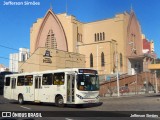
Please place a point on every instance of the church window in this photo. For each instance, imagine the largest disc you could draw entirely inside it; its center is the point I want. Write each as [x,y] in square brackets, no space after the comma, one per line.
[100,36]
[121,60]
[102,60]
[91,60]
[95,37]
[103,36]
[51,40]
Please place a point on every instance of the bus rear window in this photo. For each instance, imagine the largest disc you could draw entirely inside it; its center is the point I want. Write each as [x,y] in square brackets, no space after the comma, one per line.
[7,83]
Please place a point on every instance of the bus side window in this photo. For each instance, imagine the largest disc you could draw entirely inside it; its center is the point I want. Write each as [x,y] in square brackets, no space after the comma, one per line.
[47,79]
[28,80]
[58,78]
[20,81]
[55,80]
[7,83]
[13,85]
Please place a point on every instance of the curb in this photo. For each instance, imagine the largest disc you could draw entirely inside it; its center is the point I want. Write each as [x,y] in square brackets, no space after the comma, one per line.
[132,95]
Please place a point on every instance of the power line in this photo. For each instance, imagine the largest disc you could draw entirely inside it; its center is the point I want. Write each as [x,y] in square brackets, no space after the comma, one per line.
[25,62]
[43,54]
[95,56]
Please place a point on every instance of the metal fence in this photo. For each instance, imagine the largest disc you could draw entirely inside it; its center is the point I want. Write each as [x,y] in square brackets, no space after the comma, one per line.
[142,83]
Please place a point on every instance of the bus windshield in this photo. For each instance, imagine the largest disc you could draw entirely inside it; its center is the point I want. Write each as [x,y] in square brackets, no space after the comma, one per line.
[87,82]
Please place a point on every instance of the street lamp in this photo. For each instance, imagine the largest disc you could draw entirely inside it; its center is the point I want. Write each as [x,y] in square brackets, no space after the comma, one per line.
[117,75]
[136,69]
[117,70]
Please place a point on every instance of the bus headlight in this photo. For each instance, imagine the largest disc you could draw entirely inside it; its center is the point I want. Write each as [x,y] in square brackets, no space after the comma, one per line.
[79,96]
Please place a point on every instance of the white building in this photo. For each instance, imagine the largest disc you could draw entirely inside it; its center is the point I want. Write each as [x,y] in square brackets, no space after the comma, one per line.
[3,68]
[23,55]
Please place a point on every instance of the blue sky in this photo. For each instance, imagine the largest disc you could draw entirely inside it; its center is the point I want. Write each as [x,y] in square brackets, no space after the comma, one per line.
[16,21]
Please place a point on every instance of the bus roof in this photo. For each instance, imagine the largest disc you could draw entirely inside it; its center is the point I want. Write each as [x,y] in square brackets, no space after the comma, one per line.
[50,71]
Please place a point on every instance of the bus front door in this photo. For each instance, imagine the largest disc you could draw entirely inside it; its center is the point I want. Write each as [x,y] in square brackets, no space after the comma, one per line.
[70,88]
[37,88]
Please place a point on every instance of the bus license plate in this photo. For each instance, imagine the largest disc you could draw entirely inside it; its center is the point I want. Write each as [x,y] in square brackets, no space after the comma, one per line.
[91,101]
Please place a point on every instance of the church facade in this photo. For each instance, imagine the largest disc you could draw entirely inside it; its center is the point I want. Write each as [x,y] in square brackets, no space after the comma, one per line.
[104,45]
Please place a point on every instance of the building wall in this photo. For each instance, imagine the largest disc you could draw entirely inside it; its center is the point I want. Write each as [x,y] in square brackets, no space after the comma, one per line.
[73,29]
[137,84]
[50,59]
[134,38]
[40,32]
[119,29]
[96,50]
[3,68]
[152,46]
[13,64]
[122,36]
[33,34]
[23,55]
[148,46]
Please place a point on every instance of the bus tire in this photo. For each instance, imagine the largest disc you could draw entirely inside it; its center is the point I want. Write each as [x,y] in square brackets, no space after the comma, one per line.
[20,99]
[59,101]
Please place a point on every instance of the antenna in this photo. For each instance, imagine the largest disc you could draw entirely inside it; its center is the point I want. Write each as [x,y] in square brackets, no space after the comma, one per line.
[51,6]
[66,7]
[131,8]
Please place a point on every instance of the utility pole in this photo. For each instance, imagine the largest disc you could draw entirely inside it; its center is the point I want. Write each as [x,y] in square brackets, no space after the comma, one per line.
[136,81]
[97,56]
[156,82]
[156,77]
[117,71]
[66,7]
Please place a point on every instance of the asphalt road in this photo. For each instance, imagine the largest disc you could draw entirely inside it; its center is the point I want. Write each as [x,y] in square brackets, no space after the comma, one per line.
[109,107]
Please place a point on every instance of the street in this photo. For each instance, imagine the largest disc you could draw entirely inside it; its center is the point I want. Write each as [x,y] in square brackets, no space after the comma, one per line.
[108,107]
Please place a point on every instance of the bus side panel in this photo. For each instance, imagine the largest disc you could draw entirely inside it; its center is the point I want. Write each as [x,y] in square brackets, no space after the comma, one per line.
[49,92]
[29,93]
[26,91]
[7,92]
[59,90]
[46,93]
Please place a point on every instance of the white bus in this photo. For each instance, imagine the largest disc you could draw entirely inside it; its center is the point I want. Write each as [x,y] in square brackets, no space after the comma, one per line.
[63,86]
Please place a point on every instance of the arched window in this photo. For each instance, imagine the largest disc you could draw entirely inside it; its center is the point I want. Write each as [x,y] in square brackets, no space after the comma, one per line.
[51,40]
[102,59]
[103,36]
[91,60]
[78,37]
[121,60]
[95,37]
[100,36]
[81,38]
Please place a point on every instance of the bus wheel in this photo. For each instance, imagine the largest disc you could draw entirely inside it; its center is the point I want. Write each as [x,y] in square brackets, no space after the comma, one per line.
[59,101]
[20,99]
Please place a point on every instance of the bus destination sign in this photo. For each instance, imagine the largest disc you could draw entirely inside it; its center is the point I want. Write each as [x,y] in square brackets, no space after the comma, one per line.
[87,71]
